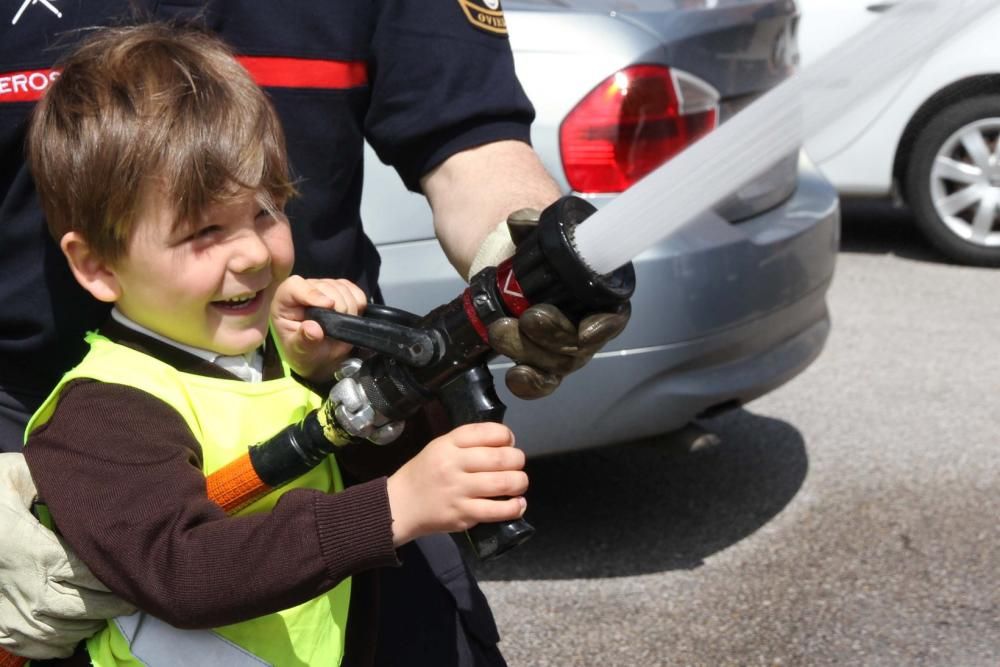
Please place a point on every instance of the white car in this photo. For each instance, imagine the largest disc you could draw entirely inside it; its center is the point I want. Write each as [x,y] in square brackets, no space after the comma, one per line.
[930,137]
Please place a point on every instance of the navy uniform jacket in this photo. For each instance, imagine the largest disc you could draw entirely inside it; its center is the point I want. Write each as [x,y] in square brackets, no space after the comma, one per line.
[420,80]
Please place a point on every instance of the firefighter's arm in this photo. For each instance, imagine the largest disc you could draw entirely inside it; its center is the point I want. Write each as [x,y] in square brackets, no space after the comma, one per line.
[473,190]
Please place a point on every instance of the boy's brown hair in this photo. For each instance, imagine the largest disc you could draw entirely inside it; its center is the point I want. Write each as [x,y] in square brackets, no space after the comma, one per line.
[150,106]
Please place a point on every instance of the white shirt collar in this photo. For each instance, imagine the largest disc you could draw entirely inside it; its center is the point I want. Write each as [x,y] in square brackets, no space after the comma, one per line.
[248,367]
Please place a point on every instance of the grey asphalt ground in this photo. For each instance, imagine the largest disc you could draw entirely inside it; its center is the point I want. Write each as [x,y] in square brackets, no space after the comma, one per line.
[852,517]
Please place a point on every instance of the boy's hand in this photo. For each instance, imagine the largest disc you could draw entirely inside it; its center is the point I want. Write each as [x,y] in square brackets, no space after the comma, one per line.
[304,346]
[453,483]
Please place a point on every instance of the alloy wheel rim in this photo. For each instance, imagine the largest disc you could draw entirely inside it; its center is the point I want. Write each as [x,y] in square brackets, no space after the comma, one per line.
[965,182]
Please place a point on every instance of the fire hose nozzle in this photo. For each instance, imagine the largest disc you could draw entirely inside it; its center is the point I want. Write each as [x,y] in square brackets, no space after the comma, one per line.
[549,268]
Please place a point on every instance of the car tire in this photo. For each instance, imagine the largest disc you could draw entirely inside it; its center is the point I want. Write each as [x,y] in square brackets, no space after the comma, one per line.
[952,181]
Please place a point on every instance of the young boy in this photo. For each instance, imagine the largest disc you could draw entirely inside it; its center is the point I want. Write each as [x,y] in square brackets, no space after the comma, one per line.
[162,173]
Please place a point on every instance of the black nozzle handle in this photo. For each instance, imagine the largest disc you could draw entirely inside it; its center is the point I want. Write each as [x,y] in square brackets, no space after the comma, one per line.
[409,345]
[472,398]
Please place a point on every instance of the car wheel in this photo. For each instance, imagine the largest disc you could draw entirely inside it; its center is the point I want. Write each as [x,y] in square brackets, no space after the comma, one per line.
[953,181]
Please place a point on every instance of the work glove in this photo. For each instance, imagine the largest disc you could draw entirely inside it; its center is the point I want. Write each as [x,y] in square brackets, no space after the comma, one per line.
[49,600]
[543,343]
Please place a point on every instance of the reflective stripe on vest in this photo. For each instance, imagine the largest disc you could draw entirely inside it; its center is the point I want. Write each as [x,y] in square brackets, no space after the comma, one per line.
[154,642]
[225,417]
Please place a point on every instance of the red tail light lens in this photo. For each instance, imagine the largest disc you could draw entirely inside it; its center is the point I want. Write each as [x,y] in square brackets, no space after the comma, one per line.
[634,121]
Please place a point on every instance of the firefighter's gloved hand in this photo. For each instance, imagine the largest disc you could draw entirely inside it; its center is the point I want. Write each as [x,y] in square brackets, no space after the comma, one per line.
[354,412]
[543,343]
[546,346]
[49,600]
[502,241]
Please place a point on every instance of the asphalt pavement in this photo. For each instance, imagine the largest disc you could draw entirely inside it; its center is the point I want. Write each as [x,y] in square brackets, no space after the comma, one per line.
[851,517]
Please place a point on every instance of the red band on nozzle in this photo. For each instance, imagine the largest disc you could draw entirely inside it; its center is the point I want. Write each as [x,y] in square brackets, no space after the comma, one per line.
[510,290]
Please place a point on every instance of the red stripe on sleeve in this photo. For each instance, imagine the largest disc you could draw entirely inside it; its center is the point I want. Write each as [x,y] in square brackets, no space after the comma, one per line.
[26,86]
[305,73]
[273,72]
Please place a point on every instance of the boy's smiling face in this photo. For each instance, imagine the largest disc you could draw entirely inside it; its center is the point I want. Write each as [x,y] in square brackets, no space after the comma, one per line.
[209,285]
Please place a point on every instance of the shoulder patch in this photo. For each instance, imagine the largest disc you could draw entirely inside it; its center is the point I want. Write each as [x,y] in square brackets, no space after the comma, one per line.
[486,15]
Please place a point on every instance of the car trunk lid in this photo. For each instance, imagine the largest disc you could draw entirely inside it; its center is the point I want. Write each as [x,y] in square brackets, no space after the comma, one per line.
[743,48]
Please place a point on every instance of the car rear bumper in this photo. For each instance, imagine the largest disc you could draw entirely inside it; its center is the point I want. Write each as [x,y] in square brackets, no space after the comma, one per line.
[652,391]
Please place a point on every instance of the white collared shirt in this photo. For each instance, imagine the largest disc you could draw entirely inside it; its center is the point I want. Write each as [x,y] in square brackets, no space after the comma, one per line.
[248,367]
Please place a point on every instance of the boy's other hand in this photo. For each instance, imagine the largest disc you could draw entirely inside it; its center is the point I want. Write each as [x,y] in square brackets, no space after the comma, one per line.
[304,346]
[455,481]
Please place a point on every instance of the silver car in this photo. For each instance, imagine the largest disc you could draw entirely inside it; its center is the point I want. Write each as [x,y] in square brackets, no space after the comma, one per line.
[726,310]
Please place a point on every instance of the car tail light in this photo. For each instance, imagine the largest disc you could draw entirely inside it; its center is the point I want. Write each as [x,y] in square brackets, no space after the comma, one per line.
[634,121]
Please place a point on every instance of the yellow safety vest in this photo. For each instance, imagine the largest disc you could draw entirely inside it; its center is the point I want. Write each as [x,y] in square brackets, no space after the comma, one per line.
[226,417]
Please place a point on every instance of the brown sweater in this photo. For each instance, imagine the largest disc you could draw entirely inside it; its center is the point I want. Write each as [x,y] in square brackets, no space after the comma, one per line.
[140,518]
